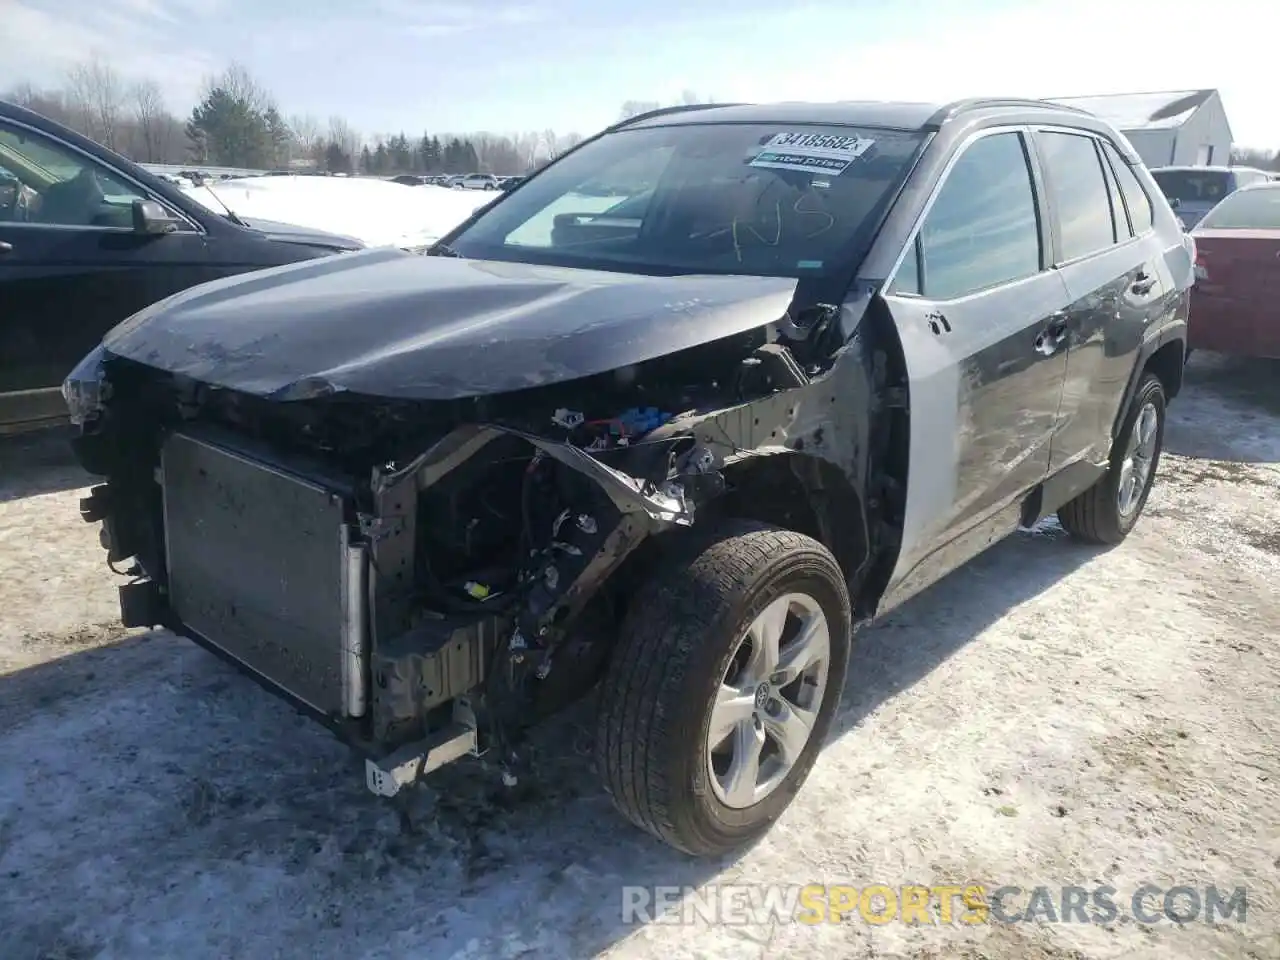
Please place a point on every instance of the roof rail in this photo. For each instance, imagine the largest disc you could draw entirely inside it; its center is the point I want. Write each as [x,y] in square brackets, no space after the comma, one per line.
[664,111]
[951,110]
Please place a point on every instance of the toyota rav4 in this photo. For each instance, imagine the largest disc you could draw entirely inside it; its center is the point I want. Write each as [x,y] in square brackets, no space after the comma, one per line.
[676,441]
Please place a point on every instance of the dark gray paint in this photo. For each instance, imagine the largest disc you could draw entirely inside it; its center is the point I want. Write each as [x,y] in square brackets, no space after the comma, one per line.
[991,417]
[391,324]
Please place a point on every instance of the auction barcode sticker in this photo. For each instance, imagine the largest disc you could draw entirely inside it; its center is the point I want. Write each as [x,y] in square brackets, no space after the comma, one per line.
[828,153]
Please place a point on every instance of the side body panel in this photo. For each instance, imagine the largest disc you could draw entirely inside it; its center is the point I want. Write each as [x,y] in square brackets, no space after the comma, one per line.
[935,538]
[984,406]
[986,371]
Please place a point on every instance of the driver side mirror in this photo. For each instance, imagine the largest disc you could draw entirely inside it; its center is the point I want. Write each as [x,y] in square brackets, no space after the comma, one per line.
[1175,202]
[152,219]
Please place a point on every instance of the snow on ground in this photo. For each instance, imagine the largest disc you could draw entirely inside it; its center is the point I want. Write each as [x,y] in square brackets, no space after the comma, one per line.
[1049,715]
[379,212]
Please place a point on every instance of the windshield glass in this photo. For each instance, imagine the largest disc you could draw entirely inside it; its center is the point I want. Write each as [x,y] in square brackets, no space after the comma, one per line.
[769,200]
[1254,209]
[1194,186]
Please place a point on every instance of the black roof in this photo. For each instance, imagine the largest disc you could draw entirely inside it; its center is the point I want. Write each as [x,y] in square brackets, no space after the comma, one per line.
[852,113]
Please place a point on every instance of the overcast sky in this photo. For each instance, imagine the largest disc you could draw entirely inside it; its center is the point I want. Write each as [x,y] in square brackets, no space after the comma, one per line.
[508,65]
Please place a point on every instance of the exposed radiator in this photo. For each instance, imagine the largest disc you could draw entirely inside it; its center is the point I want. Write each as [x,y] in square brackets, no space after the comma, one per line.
[261,565]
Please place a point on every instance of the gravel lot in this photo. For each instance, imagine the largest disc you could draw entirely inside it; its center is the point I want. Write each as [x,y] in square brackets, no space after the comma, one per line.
[1049,715]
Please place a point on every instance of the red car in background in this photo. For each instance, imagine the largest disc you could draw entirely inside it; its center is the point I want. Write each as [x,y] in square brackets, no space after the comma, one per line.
[1235,303]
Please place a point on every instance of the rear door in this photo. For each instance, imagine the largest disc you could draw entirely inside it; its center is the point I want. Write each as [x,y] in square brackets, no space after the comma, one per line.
[979,316]
[71,267]
[1111,266]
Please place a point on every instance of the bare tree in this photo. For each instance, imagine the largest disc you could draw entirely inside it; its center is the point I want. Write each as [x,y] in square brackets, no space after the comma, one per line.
[307,136]
[24,95]
[238,84]
[49,103]
[340,133]
[633,108]
[95,96]
[150,115]
[1249,157]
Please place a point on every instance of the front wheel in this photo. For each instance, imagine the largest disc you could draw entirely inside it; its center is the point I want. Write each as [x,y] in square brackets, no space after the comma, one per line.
[723,686]
[1107,511]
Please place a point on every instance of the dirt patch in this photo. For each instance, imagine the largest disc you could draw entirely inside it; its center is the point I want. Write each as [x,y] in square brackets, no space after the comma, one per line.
[1267,541]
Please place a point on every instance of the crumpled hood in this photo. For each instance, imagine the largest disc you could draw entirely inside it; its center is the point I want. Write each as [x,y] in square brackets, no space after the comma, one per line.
[388,323]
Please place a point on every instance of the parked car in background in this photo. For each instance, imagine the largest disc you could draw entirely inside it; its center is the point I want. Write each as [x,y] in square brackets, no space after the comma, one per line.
[1193,191]
[410,179]
[510,183]
[803,362]
[1235,305]
[479,181]
[87,238]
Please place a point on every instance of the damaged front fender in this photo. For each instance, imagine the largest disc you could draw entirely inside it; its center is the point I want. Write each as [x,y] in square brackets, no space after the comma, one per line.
[663,505]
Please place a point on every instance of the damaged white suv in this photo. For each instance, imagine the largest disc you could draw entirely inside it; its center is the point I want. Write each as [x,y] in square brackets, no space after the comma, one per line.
[672,416]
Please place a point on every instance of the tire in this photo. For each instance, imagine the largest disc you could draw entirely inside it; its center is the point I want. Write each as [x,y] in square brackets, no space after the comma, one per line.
[684,630]
[1095,516]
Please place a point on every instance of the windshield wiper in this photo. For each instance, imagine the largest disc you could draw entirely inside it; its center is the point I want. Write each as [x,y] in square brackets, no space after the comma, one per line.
[230,214]
[443,250]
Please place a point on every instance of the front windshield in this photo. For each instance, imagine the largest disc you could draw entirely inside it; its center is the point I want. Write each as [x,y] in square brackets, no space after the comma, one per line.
[764,199]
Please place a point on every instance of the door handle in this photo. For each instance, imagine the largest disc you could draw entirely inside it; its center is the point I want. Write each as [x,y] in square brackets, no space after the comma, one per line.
[1052,336]
[5,247]
[1143,283]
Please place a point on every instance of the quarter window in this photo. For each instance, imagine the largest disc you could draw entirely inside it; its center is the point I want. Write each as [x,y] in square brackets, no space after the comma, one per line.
[1135,198]
[1079,193]
[63,186]
[983,229]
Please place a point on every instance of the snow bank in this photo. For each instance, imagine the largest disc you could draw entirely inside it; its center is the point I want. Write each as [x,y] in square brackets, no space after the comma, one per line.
[379,212]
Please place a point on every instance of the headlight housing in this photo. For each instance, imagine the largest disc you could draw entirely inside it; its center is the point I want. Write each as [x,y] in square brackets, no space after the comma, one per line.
[86,389]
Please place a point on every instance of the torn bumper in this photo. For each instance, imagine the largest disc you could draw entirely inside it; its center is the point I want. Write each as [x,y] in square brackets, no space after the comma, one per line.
[305,579]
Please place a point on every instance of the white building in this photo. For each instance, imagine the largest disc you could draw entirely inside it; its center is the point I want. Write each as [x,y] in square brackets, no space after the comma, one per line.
[1179,128]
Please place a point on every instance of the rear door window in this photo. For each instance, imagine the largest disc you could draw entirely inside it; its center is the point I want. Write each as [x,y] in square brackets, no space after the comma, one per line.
[1078,192]
[983,229]
[1135,197]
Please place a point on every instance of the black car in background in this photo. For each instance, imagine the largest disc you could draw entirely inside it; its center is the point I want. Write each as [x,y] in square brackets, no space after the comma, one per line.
[87,237]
